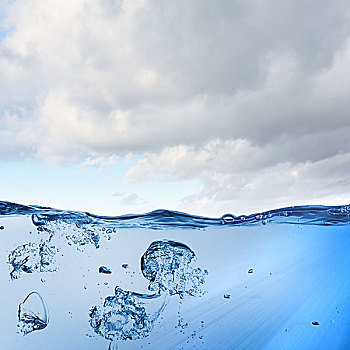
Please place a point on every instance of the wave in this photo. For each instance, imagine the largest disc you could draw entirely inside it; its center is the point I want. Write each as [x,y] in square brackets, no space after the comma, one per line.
[161,218]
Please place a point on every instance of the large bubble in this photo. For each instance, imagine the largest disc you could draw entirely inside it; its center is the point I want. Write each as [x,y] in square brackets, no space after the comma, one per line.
[168,266]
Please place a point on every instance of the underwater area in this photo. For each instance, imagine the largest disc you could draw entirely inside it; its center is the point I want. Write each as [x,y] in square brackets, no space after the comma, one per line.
[169,280]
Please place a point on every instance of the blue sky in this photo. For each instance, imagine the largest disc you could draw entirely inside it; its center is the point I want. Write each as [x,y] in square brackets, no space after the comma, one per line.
[129,106]
[88,188]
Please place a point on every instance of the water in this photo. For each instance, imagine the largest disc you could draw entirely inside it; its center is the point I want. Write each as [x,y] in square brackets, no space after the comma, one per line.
[168,280]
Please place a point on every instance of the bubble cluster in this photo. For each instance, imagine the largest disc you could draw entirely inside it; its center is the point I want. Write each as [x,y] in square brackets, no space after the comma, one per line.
[126,315]
[32,257]
[168,266]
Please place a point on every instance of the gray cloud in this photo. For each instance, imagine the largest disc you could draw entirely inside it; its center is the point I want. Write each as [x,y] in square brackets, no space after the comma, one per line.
[249,98]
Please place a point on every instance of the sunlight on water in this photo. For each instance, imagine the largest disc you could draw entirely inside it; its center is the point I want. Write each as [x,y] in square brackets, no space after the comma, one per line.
[169,280]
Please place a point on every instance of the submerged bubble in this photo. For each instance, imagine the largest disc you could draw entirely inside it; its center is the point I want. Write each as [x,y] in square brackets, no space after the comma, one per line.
[32,257]
[315,323]
[77,228]
[227,296]
[250,271]
[2,227]
[168,266]
[105,270]
[125,266]
[126,315]
[32,314]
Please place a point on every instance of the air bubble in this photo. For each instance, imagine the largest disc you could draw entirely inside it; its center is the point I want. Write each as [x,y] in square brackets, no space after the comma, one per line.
[32,314]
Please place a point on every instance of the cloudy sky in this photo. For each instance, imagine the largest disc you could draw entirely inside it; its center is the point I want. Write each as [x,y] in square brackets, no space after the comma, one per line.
[208,107]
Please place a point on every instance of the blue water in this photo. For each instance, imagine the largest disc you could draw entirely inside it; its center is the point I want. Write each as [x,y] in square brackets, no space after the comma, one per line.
[169,280]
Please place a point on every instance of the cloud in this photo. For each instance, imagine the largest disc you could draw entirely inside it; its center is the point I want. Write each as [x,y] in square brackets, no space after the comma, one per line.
[132,199]
[238,95]
[118,194]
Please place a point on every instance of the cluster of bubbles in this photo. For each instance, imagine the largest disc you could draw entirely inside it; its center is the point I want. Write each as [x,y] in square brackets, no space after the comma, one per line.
[32,257]
[167,265]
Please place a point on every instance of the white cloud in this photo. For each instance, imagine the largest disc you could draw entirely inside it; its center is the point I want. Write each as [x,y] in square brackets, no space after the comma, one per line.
[132,199]
[250,98]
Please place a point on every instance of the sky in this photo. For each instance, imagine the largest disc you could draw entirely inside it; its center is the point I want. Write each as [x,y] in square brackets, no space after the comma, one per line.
[206,107]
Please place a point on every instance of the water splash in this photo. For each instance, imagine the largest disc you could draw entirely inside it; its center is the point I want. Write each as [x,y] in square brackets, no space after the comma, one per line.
[168,266]
[32,314]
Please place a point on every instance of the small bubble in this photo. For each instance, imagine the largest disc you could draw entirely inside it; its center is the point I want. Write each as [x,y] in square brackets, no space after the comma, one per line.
[105,270]
[250,271]
[227,296]
[2,227]
[315,323]
[228,219]
[125,266]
